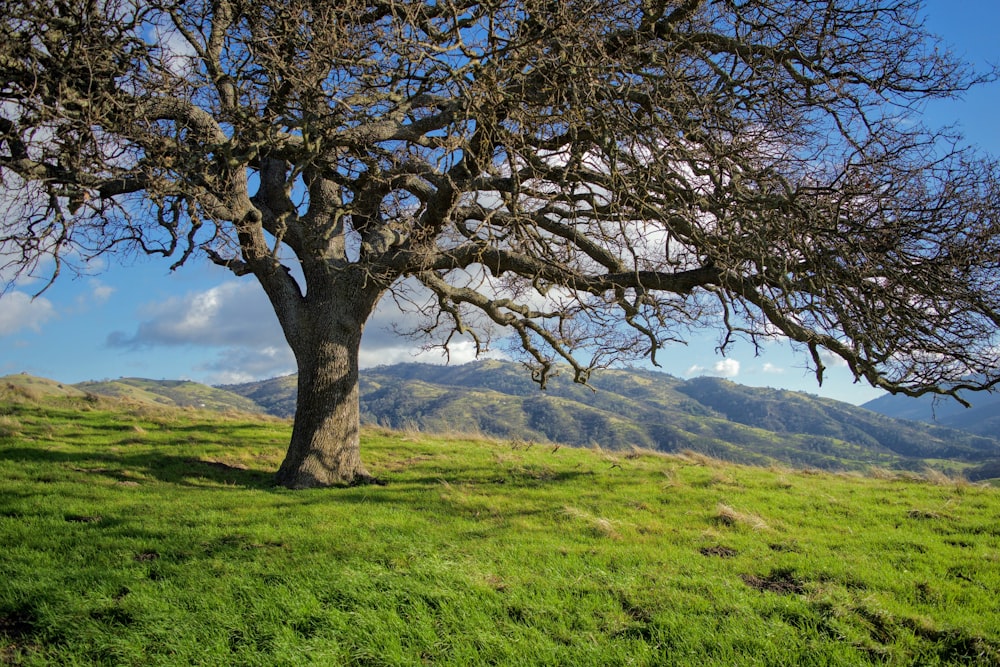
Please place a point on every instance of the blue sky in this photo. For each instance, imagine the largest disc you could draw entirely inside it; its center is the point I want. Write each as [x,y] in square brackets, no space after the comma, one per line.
[136,318]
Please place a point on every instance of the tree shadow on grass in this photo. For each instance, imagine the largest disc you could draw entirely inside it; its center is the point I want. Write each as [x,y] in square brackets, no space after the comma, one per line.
[498,477]
[130,468]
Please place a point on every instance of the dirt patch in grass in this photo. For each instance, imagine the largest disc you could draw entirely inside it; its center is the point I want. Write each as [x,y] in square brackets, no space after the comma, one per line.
[719,551]
[783,582]
[17,624]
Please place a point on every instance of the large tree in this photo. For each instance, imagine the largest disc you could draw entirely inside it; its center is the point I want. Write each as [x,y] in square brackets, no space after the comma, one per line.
[598,177]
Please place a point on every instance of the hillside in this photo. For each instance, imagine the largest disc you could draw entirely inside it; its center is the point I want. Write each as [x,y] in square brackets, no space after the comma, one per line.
[176,393]
[275,395]
[622,410]
[138,534]
[982,418]
[637,408]
[29,385]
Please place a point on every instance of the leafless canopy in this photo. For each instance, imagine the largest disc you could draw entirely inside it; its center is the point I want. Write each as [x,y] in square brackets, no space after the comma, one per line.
[598,177]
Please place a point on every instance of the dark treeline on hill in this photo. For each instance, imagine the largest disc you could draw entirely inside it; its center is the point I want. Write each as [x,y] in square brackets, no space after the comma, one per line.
[637,408]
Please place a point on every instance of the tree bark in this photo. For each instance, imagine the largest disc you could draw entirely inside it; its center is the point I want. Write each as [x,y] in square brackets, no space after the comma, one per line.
[324,331]
[325,448]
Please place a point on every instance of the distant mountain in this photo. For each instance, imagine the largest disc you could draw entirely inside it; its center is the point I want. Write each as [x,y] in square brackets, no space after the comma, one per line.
[983,418]
[622,409]
[626,408]
[276,396]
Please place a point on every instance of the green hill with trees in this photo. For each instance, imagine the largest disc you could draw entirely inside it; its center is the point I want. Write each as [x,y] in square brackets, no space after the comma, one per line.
[637,408]
[620,410]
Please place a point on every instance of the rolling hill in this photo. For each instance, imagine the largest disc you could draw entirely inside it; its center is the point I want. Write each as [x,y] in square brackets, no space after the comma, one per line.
[621,410]
[172,393]
[637,408]
[179,393]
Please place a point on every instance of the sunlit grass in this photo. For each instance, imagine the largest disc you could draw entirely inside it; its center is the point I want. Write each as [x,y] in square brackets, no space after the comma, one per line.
[139,536]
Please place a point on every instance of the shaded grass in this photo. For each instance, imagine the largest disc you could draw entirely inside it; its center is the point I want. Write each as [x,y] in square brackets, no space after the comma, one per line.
[135,536]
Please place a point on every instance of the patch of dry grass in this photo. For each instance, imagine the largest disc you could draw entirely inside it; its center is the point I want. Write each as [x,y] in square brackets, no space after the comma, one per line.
[727,516]
[597,526]
[10,426]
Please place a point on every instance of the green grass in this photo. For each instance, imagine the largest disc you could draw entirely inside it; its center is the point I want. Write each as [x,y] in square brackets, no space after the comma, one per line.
[132,535]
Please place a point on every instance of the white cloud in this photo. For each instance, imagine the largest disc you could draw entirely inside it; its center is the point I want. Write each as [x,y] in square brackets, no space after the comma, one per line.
[831,360]
[100,292]
[242,364]
[726,368]
[176,53]
[460,352]
[233,314]
[234,317]
[771,368]
[18,311]
[237,318]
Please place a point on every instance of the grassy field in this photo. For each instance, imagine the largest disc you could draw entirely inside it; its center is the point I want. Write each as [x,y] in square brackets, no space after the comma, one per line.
[134,535]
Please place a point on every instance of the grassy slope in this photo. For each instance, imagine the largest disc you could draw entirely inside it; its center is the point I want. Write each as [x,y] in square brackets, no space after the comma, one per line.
[136,535]
[630,408]
[652,410]
[31,386]
[176,393]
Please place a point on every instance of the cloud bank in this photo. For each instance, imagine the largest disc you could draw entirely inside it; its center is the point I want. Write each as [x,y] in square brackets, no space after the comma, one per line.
[726,368]
[235,320]
[18,311]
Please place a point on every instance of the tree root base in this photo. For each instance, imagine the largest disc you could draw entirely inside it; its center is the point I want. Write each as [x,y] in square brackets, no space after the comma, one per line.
[360,478]
[365,479]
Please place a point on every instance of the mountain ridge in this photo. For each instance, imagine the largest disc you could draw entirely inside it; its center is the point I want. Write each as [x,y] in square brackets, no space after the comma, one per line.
[982,417]
[622,410]
[648,409]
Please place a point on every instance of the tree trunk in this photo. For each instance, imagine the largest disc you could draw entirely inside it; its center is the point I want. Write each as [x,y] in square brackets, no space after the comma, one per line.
[325,449]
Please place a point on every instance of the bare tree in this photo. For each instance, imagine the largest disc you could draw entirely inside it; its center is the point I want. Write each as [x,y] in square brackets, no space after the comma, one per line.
[596,177]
